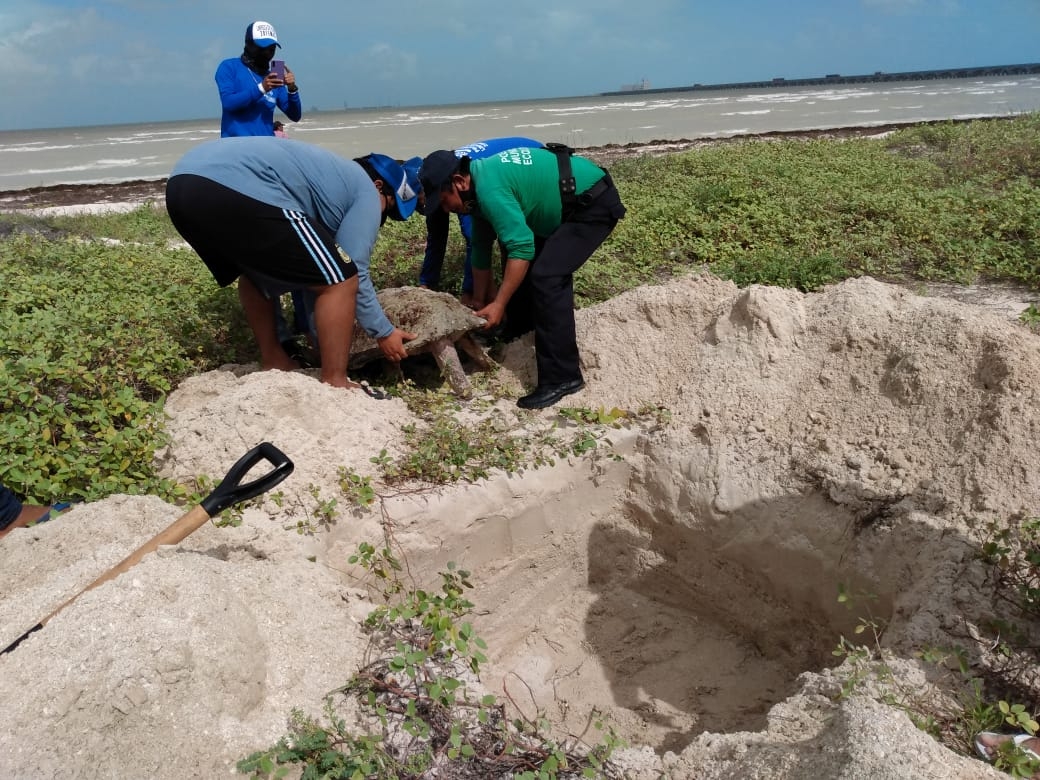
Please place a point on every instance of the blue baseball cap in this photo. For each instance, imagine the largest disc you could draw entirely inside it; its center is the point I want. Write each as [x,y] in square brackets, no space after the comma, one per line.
[411,167]
[262,34]
[403,180]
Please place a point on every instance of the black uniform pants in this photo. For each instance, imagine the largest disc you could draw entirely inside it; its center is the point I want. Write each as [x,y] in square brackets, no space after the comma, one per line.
[544,301]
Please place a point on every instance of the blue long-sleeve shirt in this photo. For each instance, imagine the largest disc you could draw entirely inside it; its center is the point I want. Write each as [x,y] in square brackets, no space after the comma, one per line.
[302,177]
[246,108]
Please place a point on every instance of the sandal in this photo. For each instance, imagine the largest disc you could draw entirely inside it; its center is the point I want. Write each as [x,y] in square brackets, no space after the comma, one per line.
[374,392]
[53,511]
[1019,740]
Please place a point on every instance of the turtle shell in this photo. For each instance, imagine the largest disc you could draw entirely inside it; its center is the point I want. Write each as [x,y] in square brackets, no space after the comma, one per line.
[430,315]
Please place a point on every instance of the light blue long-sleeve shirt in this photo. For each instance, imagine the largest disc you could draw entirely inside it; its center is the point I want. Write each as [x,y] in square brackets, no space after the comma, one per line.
[302,177]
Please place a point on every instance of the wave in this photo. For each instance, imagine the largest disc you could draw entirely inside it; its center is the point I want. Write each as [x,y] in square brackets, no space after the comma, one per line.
[129,163]
[126,152]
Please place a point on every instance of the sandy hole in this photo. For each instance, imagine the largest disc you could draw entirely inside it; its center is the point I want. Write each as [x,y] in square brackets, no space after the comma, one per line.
[600,593]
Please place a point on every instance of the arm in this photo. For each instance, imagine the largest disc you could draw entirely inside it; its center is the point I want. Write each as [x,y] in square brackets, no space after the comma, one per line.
[481,241]
[515,272]
[436,245]
[483,285]
[502,218]
[374,320]
[235,92]
[369,313]
[356,236]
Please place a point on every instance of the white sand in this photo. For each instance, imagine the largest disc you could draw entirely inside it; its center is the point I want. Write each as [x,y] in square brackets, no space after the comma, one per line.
[688,589]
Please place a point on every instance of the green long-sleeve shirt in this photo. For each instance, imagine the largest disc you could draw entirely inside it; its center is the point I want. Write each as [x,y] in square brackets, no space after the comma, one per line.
[518,198]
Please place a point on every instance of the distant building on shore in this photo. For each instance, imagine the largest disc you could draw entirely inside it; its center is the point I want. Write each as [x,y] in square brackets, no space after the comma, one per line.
[639,87]
[837,78]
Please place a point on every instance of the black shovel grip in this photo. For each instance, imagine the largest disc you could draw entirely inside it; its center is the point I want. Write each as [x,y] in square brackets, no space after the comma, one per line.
[230,492]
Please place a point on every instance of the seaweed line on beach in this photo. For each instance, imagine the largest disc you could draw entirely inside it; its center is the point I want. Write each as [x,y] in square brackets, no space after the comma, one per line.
[144,190]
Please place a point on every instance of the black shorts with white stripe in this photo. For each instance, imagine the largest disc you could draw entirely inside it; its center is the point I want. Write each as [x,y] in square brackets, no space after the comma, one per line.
[278,249]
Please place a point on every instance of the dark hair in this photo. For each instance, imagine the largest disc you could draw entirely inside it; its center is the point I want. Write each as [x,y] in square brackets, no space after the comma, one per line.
[389,188]
[372,173]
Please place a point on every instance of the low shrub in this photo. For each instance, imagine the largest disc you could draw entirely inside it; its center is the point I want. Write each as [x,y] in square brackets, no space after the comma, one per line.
[92,337]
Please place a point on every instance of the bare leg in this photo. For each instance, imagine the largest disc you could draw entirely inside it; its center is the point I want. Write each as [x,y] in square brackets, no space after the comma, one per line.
[334,320]
[260,315]
[30,514]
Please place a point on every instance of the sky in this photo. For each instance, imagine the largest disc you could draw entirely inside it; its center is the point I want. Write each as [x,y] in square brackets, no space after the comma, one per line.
[71,63]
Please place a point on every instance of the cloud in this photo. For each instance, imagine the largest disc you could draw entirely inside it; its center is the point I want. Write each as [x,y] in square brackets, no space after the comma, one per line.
[73,62]
[26,42]
[384,62]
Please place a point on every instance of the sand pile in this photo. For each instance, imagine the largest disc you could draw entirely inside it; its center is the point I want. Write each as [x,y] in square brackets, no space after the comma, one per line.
[688,589]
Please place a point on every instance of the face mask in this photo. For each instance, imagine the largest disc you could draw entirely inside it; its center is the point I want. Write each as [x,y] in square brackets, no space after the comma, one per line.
[468,197]
[258,59]
[390,211]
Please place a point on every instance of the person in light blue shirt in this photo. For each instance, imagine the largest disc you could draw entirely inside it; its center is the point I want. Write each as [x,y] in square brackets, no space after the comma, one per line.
[250,92]
[281,215]
[437,224]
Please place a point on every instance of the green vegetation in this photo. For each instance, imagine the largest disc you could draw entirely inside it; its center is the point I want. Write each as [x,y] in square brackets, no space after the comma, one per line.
[951,201]
[148,225]
[92,335]
[417,696]
[940,202]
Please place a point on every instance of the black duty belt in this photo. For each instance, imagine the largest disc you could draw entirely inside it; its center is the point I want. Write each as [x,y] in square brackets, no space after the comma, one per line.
[570,199]
[593,192]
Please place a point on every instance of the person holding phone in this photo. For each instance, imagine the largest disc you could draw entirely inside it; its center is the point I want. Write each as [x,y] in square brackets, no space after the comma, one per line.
[250,88]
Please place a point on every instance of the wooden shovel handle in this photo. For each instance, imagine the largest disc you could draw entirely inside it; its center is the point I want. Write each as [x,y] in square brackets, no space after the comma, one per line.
[230,491]
[172,534]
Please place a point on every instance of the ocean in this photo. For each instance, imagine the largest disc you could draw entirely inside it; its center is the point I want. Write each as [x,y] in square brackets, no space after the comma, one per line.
[115,153]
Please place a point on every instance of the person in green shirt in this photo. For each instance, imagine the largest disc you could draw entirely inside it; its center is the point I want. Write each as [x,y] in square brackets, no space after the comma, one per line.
[516,197]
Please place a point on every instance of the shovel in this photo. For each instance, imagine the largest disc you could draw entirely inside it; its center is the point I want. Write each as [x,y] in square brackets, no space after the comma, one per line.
[229,493]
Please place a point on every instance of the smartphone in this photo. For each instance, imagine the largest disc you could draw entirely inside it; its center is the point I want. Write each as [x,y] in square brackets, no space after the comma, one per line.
[278,68]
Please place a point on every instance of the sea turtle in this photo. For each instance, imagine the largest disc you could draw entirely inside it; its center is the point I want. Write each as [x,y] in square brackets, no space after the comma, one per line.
[439,322]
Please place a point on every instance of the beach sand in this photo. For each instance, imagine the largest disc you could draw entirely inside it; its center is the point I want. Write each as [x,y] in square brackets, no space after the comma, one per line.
[682,580]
